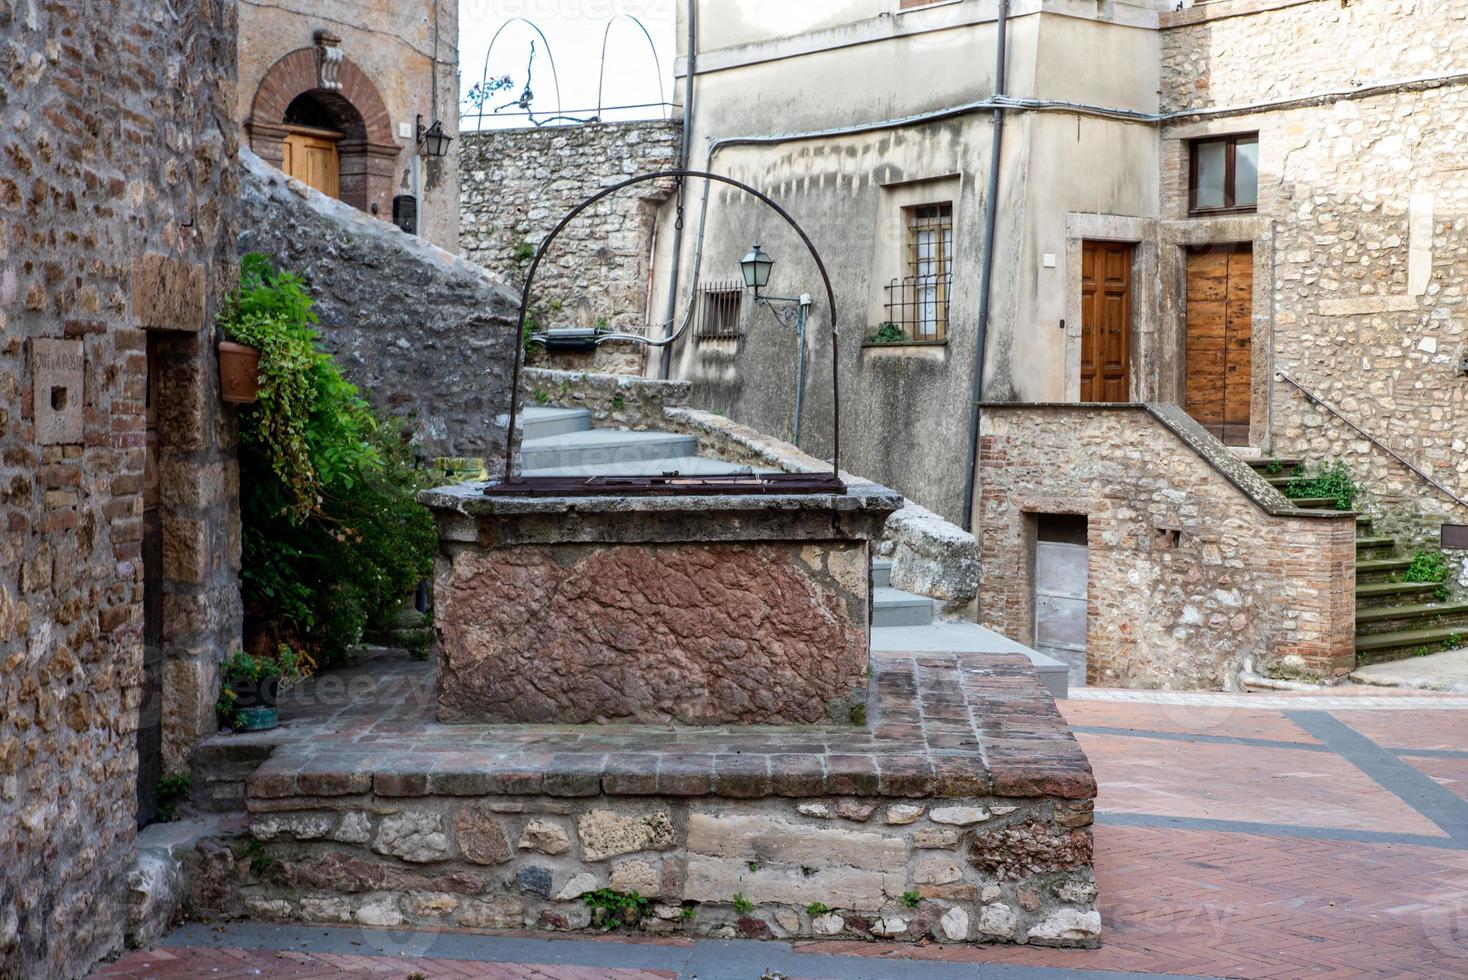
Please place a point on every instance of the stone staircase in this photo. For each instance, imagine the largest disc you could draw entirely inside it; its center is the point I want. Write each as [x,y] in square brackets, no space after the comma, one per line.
[1394,619]
[563,442]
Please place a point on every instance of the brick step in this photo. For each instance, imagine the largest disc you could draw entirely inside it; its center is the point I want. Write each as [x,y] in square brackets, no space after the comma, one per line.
[1394,619]
[1405,643]
[1374,594]
[1364,543]
[1380,569]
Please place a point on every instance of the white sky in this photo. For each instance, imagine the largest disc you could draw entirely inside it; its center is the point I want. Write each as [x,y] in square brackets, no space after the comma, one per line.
[574,30]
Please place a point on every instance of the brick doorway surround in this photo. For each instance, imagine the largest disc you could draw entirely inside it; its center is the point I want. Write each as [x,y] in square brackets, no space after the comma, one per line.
[369,152]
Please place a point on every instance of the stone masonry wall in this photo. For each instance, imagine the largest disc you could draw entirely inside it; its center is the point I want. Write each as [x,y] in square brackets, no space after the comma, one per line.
[116,241]
[518,183]
[1190,581]
[1366,202]
[421,331]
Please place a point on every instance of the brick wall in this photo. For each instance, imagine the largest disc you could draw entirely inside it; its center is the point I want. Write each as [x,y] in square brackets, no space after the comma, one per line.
[1237,583]
[1364,211]
[115,224]
[517,183]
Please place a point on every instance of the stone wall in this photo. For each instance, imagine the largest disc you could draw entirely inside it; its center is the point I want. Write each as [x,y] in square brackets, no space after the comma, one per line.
[518,183]
[1363,206]
[116,235]
[1198,569]
[421,331]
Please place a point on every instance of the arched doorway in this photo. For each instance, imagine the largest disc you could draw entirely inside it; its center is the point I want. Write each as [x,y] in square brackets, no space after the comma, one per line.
[334,134]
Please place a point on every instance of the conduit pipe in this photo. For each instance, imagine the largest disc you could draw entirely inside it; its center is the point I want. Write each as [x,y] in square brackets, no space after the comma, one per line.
[986,273]
[665,361]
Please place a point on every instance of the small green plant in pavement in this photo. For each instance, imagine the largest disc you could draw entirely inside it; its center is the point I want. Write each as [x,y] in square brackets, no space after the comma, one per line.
[817,908]
[741,904]
[1333,480]
[911,898]
[1430,566]
[615,910]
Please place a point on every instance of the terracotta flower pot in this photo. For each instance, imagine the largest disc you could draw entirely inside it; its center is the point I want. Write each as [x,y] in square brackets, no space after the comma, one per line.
[239,373]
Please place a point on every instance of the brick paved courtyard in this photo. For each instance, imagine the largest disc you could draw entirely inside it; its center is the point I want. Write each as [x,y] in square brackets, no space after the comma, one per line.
[1310,836]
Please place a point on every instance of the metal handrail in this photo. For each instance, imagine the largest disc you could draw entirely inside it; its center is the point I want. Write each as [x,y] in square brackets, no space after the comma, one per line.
[1315,399]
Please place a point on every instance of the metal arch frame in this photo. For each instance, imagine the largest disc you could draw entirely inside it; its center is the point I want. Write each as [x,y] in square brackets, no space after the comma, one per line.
[484,75]
[640,179]
[601,77]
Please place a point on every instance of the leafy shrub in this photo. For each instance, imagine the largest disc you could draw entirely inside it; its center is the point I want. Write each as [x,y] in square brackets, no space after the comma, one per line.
[1430,566]
[889,333]
[332,535]
[173,789]
[1333,480]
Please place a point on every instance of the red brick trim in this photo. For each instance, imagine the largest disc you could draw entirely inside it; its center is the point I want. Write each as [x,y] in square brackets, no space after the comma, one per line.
[368,157]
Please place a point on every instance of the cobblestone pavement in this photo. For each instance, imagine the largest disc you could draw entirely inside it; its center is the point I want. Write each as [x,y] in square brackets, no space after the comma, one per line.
[1277,836]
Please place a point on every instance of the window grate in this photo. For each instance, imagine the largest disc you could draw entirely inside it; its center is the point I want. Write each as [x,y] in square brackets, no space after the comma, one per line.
[718,310]
[918,302]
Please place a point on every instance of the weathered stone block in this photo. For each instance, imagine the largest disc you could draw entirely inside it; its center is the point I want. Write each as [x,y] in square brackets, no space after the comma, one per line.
[57,391]
[481,838]
[605,833]
[413,835]
[168,293]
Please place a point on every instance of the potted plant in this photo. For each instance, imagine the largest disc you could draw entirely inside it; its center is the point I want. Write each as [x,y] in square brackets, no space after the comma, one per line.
[239,373]
[250,687]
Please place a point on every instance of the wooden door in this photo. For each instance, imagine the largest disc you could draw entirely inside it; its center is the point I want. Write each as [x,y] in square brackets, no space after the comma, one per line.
[1106,313]
[150,709]
[311,156]
[1220,338]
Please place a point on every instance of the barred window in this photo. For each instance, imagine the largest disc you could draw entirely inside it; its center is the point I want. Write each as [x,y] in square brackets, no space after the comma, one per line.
[718,310]
[918,302]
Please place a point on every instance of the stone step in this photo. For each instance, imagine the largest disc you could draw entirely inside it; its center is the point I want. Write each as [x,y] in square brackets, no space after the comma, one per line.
[893,607]
[881,573]
[1405,643]
[1380,569]
[1394,619]
[1263,463]
[1373,594]
[683,465]
[965,637]
[603,446]
[1315,503]
[1375,544]
[540,422]
[1363,521]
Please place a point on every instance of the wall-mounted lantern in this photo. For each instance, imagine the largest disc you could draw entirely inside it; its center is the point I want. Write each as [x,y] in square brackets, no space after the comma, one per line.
[433,141]
[756,266]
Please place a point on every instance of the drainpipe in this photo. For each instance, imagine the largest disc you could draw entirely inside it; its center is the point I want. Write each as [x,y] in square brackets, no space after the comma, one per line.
[665,362]
[991,219]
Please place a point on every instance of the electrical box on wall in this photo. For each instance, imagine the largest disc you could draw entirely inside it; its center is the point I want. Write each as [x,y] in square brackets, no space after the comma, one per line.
[56,386]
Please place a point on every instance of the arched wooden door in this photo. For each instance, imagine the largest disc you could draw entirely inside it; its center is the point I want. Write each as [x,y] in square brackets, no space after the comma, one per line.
[311,156]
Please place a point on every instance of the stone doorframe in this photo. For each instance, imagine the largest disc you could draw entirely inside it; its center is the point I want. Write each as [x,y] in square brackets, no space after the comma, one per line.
[369,152]
[1138,232]
[1177,237]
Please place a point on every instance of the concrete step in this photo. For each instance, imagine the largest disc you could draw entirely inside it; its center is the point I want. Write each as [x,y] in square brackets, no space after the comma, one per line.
[881,573]
[1426,615]
[1405,643]
[1380,569]
[967,637]
[603,446]
[1375,544]
[683,465]
[1373,594]
[893,607]
[539,422]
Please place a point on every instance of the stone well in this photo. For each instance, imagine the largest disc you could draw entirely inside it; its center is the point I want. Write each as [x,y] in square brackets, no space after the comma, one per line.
[698,610]
[758,771]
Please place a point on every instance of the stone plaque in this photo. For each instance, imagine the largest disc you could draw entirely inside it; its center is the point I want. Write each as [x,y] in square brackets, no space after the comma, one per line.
[56,375]
[1455,537]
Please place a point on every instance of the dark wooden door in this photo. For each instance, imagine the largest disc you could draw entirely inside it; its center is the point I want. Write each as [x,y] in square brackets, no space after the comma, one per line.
[1220,337]
[1106,313]
[150,711]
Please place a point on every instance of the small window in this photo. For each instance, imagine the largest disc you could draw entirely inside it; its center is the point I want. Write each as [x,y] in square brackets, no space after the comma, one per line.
[918,302]
[910,4]
[718,311]
[1224,174]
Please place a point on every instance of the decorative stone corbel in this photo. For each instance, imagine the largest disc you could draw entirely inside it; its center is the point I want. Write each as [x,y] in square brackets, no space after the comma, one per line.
[328,59]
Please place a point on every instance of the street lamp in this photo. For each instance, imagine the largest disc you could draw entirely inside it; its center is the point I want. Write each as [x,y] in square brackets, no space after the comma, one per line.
[791,312]
[756,266]
[433,141]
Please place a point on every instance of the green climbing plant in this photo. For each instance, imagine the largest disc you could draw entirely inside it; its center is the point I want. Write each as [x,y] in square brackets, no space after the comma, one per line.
[1429,566]
[1332,480]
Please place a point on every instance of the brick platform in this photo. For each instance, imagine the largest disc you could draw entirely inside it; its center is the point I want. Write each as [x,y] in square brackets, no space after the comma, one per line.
[962,812]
